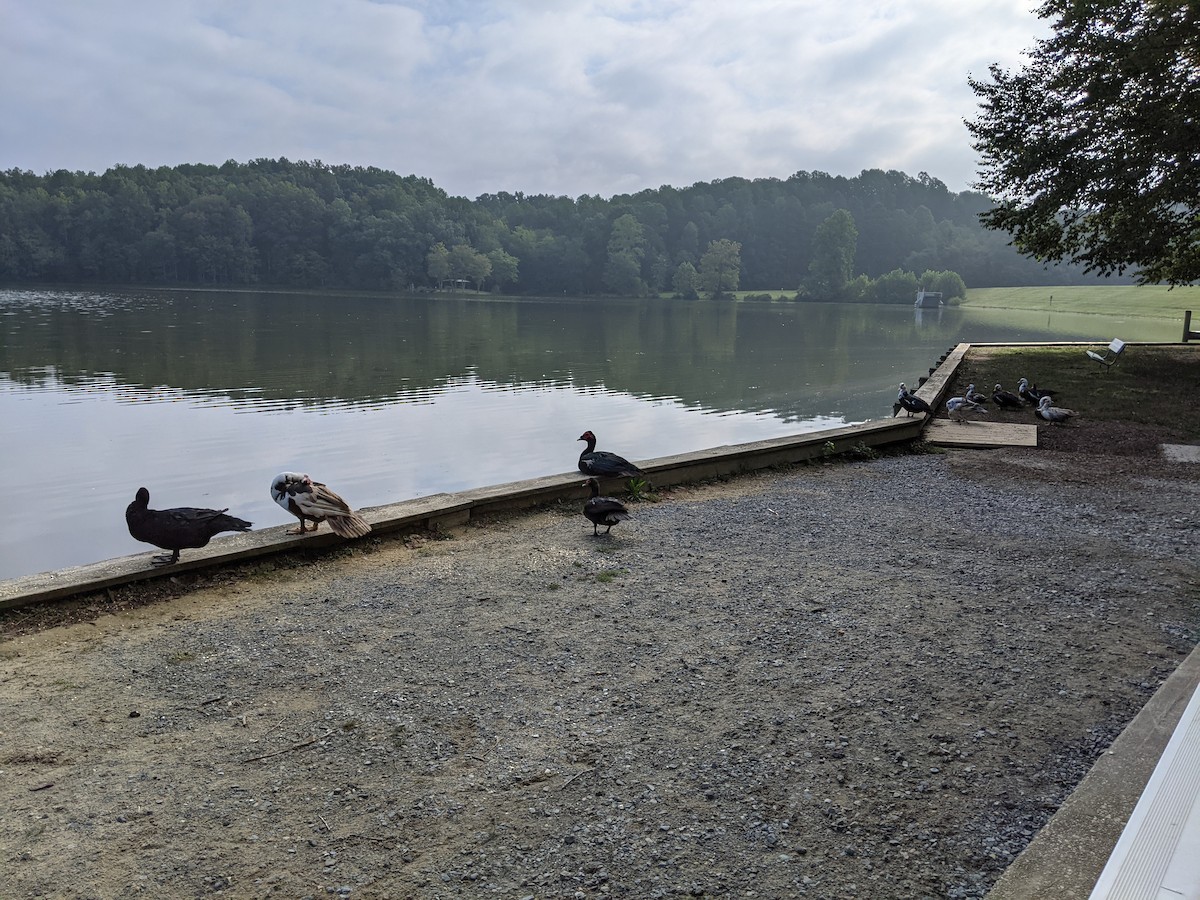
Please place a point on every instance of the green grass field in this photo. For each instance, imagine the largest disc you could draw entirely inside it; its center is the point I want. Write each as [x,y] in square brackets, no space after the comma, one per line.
[1153,301]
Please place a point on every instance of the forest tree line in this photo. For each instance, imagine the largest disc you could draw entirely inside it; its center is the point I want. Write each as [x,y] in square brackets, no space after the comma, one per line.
[310,224]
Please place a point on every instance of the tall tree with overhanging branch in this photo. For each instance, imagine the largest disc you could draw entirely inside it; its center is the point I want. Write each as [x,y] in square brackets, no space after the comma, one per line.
[1092,150]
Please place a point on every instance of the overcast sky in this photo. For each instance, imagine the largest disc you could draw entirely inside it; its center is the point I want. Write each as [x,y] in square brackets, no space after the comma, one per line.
[541,96]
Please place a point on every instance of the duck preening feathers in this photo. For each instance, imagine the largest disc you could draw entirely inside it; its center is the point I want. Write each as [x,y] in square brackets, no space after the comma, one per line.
[1006,399]
[910,402]
[960,409]
[1053,414]
[1033,394]
[182,528]
[311,501]
[606,511]
[973,395]
[603,464]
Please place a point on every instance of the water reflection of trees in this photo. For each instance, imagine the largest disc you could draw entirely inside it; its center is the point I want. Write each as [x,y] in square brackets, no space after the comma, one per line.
[310,350]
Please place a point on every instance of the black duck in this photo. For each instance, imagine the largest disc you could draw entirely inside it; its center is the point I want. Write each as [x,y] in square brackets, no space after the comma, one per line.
[606,511]
[181,528]
[603,464]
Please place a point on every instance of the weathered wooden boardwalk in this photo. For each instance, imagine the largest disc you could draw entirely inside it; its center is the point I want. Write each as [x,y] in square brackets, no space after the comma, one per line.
[947,433]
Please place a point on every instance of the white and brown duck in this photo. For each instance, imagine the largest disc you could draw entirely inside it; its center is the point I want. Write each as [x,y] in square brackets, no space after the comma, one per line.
[312,501]
[1055,415]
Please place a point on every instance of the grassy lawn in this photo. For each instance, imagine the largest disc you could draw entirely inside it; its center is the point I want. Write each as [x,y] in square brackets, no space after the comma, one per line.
[1154,301]
[1151,301]
[1153,386]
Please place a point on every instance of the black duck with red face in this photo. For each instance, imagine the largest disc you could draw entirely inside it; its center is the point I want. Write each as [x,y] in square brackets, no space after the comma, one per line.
[603,464]
[606,511]
[181,528]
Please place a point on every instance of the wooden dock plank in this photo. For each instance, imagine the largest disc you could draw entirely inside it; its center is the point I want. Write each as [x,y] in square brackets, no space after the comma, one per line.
[945,433]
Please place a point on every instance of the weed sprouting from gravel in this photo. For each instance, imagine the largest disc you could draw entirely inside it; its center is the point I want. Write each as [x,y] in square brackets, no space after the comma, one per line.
[861,451]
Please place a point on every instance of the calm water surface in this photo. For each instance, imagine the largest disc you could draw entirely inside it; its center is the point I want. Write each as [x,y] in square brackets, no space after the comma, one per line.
[203,396]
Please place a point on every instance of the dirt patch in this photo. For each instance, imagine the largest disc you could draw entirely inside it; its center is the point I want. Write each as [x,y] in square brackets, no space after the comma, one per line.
[868,679]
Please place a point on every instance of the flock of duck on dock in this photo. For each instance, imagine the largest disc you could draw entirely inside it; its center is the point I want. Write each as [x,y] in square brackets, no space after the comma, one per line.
[973,403]
[190,527]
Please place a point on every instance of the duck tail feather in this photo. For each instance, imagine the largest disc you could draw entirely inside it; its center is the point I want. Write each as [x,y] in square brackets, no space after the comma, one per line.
[351,526]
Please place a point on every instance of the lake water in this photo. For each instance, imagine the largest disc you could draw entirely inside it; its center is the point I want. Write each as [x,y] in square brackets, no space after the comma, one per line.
[203,396]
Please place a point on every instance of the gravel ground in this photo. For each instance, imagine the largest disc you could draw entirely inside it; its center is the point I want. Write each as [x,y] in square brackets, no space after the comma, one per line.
[871,679]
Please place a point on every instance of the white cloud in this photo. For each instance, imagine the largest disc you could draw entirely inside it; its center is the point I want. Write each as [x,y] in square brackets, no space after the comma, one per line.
[591,97]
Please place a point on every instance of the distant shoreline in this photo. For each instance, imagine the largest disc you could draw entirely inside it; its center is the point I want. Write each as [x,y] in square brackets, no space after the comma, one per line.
[1145,301]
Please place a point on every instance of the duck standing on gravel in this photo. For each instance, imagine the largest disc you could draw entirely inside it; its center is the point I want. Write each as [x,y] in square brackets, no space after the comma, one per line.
[606,511]
[1053,414]
[959,408]
[312,501]
[1006,399]
[603,464]
[181,528]
[909,402]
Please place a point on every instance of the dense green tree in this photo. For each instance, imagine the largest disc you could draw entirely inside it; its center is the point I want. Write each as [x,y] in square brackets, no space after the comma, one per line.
[437,264]
[505,267]
[688,247]
[656,271]
[623,276]
[720,268]
[832,265]
[949,284]
[158,257]
[212,239]
[625,251]
[379,254]
[288,222]
[308,223]
[307,268]
[468,264]
[896,286]
[686,281]
[1092,149]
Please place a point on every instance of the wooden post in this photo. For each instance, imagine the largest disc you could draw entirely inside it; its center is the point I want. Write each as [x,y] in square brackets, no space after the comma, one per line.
[1188,334]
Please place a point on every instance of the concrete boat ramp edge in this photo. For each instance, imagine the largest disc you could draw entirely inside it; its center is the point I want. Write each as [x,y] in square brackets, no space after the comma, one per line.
[448,510]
